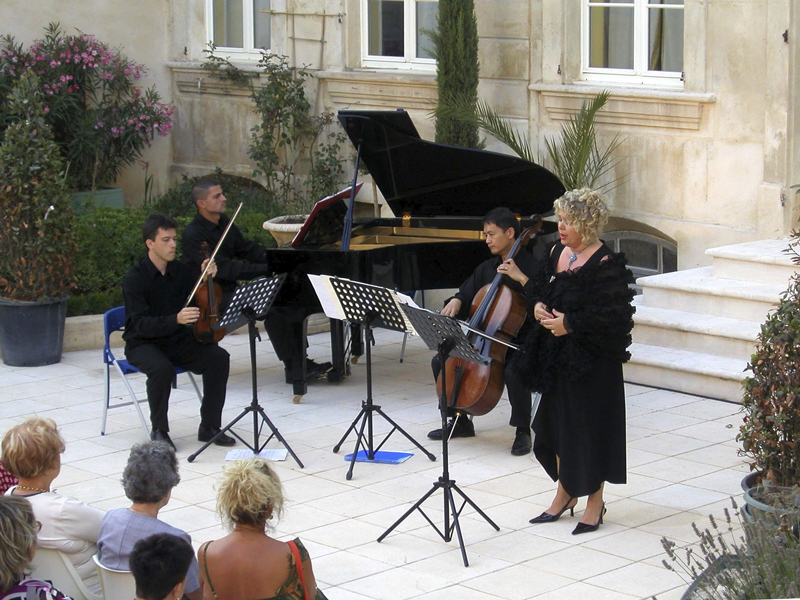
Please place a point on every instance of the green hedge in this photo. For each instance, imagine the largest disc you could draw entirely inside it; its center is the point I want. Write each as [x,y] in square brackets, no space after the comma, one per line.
[110,239]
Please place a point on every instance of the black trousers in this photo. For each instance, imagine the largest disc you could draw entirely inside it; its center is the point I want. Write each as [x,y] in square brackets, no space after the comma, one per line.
[157,361]
[280,334]
[519,396]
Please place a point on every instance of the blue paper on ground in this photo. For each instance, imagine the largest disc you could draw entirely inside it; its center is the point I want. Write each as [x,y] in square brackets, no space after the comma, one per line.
[389,458]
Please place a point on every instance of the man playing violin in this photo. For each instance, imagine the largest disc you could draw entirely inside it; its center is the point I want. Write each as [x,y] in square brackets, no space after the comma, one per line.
[501,228]
[156,336]
[237,259]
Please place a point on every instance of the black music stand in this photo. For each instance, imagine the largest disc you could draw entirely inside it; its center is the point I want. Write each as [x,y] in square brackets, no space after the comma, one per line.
[444,335]
[251,301]
[371,306]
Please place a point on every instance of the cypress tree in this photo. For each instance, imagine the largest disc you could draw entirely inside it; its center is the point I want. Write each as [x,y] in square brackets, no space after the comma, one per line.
[456,51]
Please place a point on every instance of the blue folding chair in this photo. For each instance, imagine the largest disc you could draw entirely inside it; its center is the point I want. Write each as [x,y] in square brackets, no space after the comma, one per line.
[114,320]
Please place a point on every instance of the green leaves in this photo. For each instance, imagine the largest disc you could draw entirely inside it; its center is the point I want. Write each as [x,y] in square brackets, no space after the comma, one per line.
[578,159]
[771,400]
[296,152]
[37,237]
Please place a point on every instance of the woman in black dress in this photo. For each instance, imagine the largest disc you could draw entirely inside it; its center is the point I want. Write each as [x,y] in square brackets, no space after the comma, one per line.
[581,303]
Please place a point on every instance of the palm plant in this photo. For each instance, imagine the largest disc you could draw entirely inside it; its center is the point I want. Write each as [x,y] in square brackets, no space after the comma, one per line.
[576,158]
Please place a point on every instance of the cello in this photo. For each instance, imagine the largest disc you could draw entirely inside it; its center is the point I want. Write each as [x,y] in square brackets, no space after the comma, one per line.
[209,295]
[500,312]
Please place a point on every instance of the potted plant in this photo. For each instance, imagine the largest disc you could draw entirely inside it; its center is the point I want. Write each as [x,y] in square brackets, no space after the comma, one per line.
[100,119]
[37,238]
[770,433]
[297,154]
[724,565]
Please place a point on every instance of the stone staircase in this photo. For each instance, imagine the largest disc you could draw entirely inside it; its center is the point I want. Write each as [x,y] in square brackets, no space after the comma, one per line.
[696,329]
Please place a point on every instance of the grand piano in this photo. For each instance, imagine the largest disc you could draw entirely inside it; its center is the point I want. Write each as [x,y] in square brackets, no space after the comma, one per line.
[439,195]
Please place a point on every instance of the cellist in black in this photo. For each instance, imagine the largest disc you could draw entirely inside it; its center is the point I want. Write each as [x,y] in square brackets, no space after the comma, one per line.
[501,228]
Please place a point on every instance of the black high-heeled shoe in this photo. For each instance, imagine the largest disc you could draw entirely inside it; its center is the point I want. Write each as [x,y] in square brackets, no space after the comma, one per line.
[586,527]
[546,517]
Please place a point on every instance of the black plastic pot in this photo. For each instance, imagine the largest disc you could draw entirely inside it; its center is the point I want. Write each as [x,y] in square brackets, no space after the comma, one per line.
[32,333]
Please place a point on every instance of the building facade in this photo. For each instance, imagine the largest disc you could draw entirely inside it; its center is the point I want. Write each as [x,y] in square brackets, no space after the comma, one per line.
[703,92]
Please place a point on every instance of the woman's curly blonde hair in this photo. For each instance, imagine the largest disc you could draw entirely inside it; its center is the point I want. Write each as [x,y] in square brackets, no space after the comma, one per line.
[586,210]
[250,493]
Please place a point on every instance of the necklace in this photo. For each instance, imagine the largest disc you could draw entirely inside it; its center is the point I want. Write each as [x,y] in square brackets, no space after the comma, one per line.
[574,256]
[32,489]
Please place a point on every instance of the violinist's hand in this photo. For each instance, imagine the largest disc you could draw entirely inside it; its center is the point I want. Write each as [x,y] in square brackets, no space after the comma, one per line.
[190,314]
[212,270]
[452,308]
[541,313]
[510,268]
[556,324]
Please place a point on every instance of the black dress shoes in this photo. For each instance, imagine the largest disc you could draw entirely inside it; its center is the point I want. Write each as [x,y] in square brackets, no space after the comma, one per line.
[463,428]
[586,527]
[206,434]
[546,517]
[522,443]
[161,436]
[314,370]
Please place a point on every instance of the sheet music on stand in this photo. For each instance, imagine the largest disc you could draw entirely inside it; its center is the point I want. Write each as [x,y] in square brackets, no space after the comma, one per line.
[349,300]
[436,329]
[257,295]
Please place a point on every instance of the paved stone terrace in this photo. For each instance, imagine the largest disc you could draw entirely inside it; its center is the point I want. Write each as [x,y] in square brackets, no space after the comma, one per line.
[682,459]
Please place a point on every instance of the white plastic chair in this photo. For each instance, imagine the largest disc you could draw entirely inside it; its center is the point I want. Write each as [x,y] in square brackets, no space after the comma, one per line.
[117,585]
[114,320]
[55,566]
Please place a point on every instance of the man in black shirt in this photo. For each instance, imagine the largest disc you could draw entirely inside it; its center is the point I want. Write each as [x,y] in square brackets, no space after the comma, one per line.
[156,339]
[501,228]
[237,259]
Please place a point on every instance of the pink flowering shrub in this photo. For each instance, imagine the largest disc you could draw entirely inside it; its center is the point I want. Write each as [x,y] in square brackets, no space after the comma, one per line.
[102,121]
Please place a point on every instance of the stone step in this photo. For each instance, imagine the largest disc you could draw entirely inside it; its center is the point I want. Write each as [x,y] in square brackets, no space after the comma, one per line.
[763,261]
[721,336]
[686,371]
[699,291]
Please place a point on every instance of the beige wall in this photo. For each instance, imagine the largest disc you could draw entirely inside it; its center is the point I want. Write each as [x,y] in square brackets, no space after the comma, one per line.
[142,29]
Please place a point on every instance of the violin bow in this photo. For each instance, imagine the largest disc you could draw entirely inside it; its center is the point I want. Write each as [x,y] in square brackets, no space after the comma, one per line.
[213,254]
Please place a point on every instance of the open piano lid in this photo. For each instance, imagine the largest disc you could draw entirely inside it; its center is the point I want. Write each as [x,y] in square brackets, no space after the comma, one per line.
[425,179]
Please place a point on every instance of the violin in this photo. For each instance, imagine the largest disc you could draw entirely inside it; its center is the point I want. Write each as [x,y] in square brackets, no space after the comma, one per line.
[209,294]
[500,312]
[208,297]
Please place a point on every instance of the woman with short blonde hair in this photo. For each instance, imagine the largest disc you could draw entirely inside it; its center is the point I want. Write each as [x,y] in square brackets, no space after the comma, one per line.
[32,451]
[581,305]
[247,563]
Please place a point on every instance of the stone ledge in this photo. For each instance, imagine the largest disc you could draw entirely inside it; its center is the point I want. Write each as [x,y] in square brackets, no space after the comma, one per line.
[86,332]
[191,78]
[627,106]
[371,89]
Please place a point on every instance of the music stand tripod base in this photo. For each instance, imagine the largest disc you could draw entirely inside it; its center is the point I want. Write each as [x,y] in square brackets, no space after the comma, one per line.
[370,305]
[252,301]
[445,336]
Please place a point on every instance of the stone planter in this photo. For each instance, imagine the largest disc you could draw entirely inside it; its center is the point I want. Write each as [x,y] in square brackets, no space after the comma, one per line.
[773,514]
[32,333]
[285,227]
[111,197]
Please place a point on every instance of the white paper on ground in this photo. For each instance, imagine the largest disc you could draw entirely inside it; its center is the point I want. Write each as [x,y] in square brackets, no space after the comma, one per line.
[239,454]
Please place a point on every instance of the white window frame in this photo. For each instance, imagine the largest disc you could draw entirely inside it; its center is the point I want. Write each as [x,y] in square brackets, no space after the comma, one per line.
[249,52]
[407,62]
[639,75]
